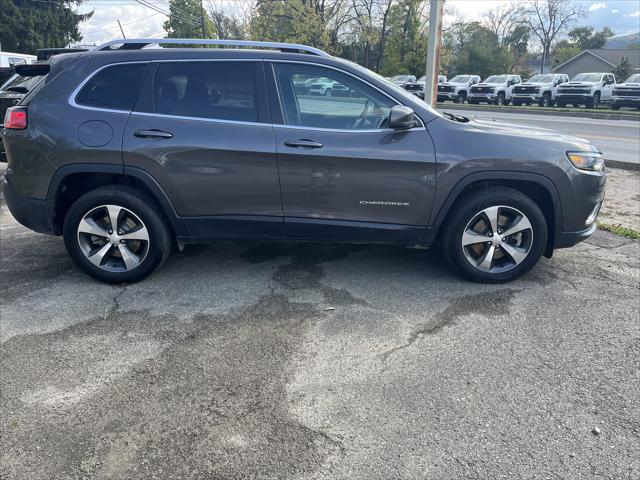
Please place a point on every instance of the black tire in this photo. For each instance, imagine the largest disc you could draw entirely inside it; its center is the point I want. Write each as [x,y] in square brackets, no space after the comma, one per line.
[461,98]
[546,100]
[328,92]
[141,205]
[615,107]
[594,102]
[468,207]
[500,99]
[472,101]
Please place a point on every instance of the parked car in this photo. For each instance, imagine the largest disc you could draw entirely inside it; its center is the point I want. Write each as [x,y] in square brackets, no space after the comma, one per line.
[627,94]
[402,80]
[457,89]
[588,89]
[417,87]
[540,89]
[11,92]
[129,152]
[321,86]
[495,89]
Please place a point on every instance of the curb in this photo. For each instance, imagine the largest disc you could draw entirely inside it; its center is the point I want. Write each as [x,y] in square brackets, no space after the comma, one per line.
[538,111]
[634,167]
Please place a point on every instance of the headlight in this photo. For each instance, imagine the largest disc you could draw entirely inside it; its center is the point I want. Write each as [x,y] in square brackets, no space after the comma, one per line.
[593,161]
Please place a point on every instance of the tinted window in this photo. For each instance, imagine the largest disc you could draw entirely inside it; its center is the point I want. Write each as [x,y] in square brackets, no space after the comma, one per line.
[217,90]
[114,88]
[335,101]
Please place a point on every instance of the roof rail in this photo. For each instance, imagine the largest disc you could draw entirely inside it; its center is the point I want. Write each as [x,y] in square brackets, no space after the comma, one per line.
[138,43]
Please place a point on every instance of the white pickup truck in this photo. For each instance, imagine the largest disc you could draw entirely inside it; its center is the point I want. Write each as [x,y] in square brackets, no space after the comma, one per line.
[494,89]
[540,89]
[588,89]
[457,89]
[627,94]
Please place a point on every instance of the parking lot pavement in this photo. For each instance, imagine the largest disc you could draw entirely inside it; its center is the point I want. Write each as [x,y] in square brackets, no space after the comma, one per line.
[318,362]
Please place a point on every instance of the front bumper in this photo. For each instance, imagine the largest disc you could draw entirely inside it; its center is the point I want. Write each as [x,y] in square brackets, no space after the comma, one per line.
[526,97]
[569,239]
[482,97]
[33,213]
[573,97]
[626,101]
[444,96]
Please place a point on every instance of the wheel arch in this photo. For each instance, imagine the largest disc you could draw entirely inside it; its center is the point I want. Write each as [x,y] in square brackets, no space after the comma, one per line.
[542,190]
[72,181]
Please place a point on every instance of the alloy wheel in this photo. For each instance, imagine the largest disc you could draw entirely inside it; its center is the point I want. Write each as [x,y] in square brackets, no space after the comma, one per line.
[113,238]
[497,239]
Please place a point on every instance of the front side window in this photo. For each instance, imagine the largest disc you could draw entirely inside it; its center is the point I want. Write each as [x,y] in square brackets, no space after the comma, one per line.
[335,101]
[113,88]
[216,90]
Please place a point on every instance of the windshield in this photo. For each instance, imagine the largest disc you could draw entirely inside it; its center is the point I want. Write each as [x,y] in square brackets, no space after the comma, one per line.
[398,91]
[633,78]
[460,79]
[587,77]
[496,79]
[541,79]
[20,81]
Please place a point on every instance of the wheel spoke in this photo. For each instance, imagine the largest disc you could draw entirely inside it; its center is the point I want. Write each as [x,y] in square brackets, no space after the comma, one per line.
[139,234]
[518,254]
[89,226]
[114,213]
[492,214]
[97,257]
[469,237]
[485,262]
[130,259]
[521,224]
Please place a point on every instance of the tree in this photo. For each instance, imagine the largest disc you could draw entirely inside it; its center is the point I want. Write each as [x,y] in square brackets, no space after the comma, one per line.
[27,25]
[563,51]
[228,24]
[586,38]
[623,70]
[186,19]
[548,19]
[406,44]
[506,23]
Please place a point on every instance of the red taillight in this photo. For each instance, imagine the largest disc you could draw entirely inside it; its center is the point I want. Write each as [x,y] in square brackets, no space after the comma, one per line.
[15,118]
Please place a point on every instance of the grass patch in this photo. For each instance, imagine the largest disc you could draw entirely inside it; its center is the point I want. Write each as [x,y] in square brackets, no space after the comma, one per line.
[620,230]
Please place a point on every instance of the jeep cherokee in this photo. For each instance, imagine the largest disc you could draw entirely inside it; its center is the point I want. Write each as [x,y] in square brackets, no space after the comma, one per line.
[127,152]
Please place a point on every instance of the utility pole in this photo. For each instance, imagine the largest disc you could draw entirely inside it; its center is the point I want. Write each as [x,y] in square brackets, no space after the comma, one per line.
[433,52]
[202,18]
[121,29]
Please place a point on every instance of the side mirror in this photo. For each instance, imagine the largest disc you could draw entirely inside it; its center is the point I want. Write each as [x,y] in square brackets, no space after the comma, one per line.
[402,118]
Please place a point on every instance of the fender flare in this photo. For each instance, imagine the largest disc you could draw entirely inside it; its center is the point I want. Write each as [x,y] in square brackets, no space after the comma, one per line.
[443,211]
[177,223]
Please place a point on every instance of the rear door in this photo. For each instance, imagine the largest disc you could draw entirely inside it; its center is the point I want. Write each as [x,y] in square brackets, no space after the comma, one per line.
[344,174]
[202,130]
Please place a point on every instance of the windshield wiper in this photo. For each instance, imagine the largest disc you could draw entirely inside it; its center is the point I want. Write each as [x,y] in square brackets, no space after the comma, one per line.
[456,118]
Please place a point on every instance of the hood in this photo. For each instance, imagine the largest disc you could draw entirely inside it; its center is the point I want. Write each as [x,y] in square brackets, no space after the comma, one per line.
[488,84]
[583,84]
[532,84]
[508,129]
[636,85]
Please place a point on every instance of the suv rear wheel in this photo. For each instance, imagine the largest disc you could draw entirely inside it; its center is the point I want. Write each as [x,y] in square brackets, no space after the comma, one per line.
[116,235]
[495,235]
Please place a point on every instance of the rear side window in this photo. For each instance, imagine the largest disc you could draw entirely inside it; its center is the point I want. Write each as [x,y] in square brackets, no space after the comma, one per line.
[215,90]
[113,88]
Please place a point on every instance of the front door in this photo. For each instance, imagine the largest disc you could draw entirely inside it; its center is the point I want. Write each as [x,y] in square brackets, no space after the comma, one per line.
[201,129]
[345,175]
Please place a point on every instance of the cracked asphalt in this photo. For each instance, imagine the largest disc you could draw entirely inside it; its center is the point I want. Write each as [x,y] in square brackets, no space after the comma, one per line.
[263,361]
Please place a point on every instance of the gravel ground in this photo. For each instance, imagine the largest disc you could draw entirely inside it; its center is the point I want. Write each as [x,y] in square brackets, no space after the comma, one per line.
[318,362]
[622,201]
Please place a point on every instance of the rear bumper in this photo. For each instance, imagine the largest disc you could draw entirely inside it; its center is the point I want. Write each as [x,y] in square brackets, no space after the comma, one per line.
[33,213]
[569,239]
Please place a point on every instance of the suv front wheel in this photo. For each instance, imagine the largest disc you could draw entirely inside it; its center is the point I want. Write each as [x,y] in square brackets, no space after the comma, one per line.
[116,235]
[495,235]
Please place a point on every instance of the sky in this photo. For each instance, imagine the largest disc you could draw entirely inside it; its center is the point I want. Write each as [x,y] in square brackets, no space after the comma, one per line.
[139,21]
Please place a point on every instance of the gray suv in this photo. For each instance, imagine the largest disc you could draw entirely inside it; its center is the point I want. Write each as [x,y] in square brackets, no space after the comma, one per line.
[128,151]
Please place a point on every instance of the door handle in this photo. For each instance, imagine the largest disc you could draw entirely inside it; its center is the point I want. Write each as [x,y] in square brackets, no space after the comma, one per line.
[152,134]
[302,143]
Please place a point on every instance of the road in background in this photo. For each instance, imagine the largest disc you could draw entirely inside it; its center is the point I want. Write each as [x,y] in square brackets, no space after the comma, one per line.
[617,139]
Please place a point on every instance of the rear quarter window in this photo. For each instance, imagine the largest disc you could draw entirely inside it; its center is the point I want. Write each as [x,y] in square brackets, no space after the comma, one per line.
[113,88]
